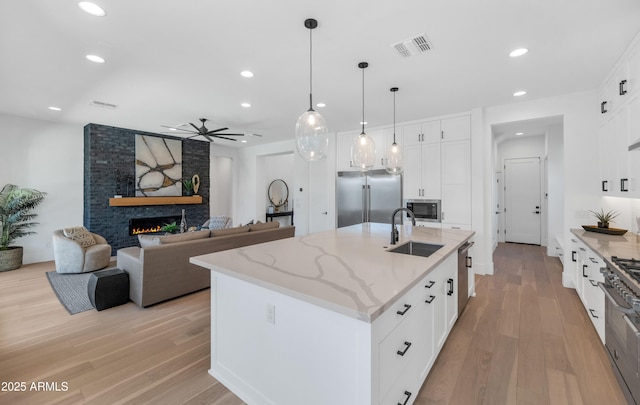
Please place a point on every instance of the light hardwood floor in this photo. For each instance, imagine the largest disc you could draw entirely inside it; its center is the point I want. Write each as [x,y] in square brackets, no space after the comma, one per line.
[524,339]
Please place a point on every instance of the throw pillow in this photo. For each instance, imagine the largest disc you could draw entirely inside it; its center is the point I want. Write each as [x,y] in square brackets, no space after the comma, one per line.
[259,226]
[217,222]
[182,237]
[148,240]
[81,235]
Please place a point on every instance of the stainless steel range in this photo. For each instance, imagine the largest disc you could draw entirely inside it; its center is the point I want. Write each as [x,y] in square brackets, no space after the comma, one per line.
[622,316]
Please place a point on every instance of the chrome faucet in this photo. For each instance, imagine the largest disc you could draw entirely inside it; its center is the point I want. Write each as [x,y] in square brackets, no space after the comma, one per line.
[394,230]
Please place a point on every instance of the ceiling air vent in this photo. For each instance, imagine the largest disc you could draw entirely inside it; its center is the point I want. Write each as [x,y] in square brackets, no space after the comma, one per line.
[413,46]
[103,105]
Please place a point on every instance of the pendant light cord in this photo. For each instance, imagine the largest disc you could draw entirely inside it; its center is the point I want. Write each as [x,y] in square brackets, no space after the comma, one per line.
[310,71]
[394,117]
[363,100]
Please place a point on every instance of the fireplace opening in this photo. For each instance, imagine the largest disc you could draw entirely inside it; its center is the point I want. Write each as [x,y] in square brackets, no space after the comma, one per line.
[139,226]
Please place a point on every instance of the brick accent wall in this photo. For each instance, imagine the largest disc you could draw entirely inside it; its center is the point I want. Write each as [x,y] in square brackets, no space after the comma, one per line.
[109,169]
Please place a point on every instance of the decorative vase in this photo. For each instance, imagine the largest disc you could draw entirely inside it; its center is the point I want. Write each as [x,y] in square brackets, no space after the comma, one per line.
[183,223]
[603,224]
[11,258]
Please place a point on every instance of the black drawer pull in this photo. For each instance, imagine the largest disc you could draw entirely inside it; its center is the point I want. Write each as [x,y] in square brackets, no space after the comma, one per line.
[593,283]
[603,108]
[584,266]
[573,256]
[592,313]
[450,282]
[605,185]
[621,89]
[407,346]
[430,299]
[623,185]
[431,283]
[408,394]
[406,308]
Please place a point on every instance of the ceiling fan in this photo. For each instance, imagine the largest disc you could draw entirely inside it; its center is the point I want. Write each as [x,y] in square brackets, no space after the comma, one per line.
[203,131]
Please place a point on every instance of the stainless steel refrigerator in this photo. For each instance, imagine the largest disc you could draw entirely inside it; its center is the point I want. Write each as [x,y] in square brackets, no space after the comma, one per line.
[367,197]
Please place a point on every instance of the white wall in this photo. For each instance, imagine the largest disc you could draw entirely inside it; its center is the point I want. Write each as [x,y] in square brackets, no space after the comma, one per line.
[48,157]
[555,186]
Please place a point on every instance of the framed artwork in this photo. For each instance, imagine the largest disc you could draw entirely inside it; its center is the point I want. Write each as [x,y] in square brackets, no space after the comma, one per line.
[158,166]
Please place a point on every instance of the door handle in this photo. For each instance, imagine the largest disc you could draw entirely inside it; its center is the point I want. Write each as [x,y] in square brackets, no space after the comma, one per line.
[536,212]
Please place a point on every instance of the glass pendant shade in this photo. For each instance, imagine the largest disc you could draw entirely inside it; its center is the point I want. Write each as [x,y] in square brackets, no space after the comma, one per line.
[394,161]
[312,141]
[363,152]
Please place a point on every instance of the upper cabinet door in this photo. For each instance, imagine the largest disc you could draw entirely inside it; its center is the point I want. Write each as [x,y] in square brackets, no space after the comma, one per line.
[431,131]
[412,134]
[455,129]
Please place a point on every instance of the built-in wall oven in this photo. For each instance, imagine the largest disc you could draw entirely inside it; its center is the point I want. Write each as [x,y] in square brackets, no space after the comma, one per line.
[622,323]
[425,210]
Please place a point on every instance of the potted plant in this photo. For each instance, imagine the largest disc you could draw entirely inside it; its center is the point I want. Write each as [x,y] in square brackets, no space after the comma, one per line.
[604,218]
[16,215]
[170,228]
[188,186]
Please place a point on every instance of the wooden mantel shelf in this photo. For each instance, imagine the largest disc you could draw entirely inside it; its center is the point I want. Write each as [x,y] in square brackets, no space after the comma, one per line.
[138,201]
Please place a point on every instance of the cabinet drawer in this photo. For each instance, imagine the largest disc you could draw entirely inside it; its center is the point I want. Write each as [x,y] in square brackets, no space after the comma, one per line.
[396,314]
[398,359]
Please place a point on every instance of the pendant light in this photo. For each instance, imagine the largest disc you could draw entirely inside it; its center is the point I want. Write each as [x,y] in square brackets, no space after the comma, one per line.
[394,161]
[312,141]
[363,150]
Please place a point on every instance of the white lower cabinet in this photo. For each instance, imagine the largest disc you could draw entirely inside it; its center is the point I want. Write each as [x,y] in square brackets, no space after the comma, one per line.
[588,275]
[271,348]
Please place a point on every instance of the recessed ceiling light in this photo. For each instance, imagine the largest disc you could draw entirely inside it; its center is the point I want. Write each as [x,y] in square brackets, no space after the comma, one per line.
[246,105]
[243,141]
[518,52]
[320,105]
[246,73]
[363,123]
[172,129]
[92,8]
[95,58]
[519,93]
[519,133]
[54,108]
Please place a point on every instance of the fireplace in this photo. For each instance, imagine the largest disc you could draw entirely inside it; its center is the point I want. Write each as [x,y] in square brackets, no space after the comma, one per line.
[139,226]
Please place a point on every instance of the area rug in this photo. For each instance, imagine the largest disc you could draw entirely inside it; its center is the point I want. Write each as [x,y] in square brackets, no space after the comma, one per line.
[71,290]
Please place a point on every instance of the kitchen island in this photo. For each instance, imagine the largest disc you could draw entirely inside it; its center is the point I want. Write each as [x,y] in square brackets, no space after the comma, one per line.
[332,317]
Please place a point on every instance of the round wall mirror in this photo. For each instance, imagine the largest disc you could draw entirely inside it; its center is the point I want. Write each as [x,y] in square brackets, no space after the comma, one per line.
[278,193]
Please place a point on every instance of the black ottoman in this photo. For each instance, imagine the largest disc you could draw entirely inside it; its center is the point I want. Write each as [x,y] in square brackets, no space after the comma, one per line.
[108,288]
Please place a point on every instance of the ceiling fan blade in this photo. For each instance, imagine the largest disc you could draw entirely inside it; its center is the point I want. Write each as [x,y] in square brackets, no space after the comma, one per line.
[222,137]
[258,135]
[213,131]
[231,134]
[208,137]
[197,129]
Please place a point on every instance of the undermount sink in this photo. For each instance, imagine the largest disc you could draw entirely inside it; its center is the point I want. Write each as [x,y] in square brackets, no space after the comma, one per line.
[417,248]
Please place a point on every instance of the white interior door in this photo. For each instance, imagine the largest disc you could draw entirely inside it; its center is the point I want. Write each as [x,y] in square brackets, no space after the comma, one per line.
[522,200]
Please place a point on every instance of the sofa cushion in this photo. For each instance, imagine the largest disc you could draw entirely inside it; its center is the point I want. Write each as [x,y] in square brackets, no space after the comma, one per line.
[258,226]
[229,231]
[81,235]
[182,237]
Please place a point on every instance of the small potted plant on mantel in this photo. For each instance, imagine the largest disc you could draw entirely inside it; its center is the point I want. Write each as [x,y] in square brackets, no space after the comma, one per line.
[188,186]
[16,214]
[604,218]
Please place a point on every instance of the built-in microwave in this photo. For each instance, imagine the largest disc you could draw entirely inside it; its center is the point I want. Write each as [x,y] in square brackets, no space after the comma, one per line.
[425,210]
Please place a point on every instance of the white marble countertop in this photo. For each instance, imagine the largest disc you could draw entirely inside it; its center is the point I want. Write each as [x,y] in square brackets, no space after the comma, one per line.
[625,246]
[347,270]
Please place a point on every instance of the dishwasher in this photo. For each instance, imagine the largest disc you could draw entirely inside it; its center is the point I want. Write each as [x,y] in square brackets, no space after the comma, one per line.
[464,264]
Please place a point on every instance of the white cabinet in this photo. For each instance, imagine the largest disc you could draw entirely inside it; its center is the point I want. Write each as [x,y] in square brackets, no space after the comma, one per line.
[455,129]
[456,184]
[345,141]
[588,275]
[422,176]
[619,126]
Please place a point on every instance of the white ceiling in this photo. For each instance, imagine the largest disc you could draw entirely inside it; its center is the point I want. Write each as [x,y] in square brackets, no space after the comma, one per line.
[171,62]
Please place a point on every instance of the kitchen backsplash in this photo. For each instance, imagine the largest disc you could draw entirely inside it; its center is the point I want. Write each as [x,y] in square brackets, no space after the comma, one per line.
[629,210]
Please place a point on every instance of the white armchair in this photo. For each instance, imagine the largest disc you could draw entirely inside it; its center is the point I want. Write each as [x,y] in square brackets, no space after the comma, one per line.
[71,257]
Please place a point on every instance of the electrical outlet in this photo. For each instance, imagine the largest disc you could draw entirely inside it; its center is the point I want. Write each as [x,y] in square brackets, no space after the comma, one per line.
[271,313]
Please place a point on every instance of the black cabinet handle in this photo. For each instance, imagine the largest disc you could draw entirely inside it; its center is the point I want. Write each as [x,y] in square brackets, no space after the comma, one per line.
[407,345]
[623,184]
[605,185]
[430,284]
[573,256]
[593,283]
[406,308]
[584,266]
[408,394]
[603,107]
[622,91]
[450,282]
[591,311]
[430,299]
